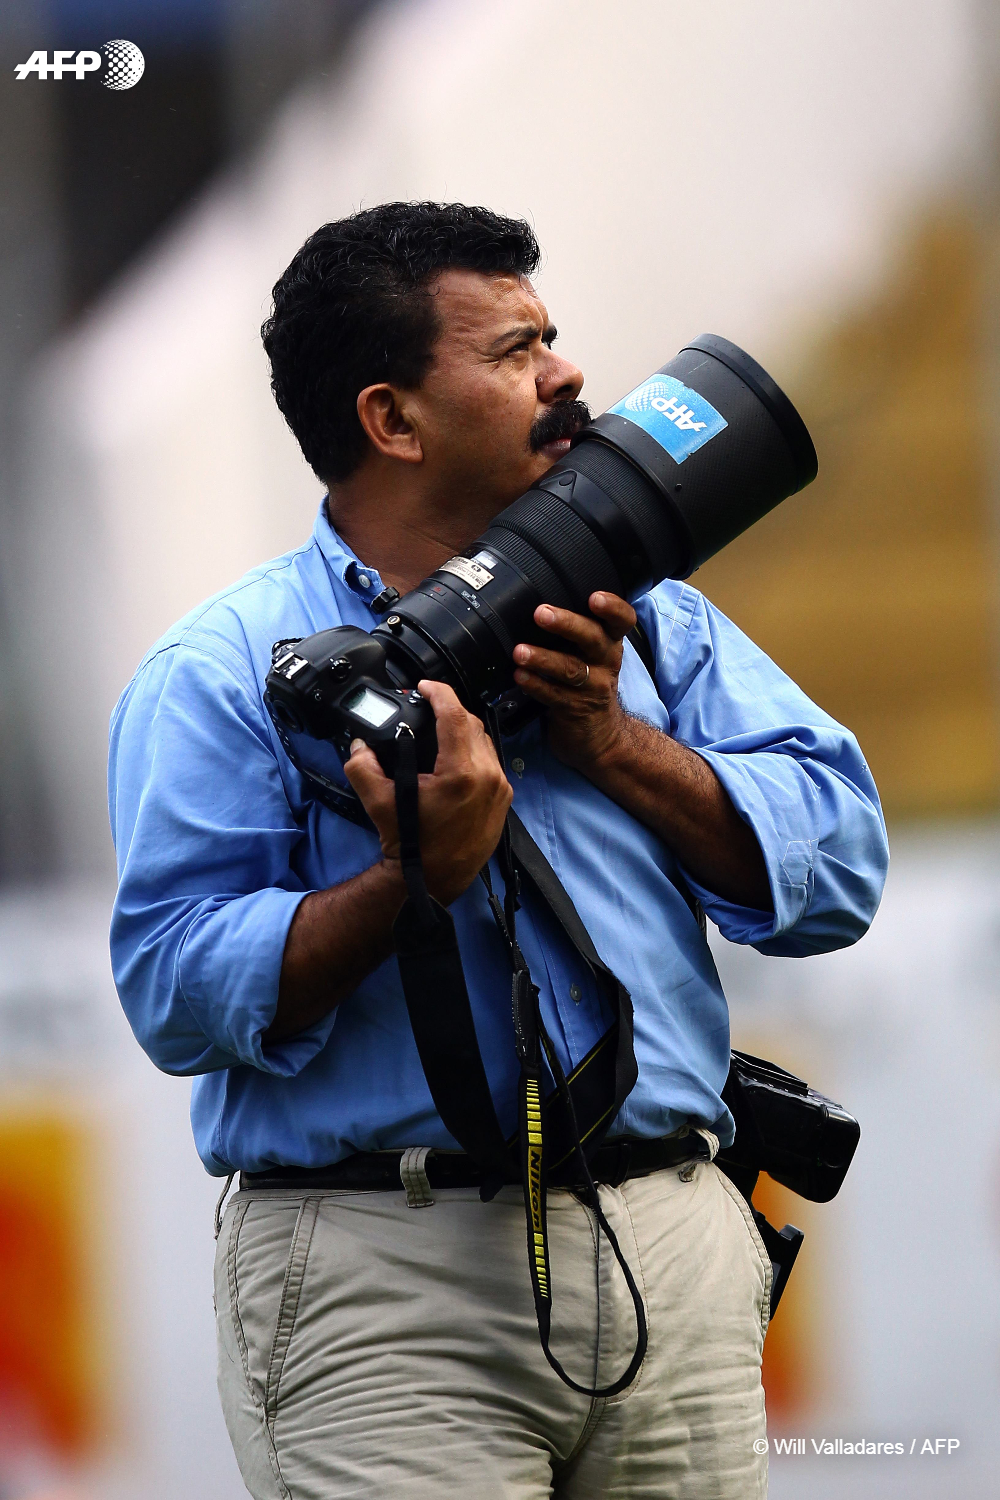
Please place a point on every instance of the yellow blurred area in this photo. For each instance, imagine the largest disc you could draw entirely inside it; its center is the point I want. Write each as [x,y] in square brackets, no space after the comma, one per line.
[876,589]
[51,1360]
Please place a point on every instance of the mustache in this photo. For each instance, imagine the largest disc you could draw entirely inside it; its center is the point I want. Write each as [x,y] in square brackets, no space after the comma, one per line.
[561,420]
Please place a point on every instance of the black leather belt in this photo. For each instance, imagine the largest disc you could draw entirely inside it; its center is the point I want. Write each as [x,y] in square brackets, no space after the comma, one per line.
[378,1171]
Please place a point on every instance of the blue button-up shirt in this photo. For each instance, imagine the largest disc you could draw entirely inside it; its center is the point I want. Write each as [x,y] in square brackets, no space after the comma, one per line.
[218,840]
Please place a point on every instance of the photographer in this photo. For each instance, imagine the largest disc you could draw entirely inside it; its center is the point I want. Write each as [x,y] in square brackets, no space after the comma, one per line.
[365,1348]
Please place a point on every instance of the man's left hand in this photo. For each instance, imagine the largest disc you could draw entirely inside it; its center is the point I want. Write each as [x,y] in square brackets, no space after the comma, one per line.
[579,687]
[668,787]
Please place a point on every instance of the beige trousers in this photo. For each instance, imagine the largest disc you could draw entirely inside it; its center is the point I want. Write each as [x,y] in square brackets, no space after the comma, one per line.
[371,1349]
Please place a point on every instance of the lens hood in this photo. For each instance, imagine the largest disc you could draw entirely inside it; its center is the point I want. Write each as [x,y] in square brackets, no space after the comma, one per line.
[794,430]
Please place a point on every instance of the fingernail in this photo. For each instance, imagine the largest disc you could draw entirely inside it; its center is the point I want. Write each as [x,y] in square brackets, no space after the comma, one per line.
[544,615]
[600,600]
[357,745]
[522,653]
[520,676]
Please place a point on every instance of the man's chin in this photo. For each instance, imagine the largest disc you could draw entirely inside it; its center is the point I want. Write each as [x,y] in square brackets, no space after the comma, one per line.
[539,462]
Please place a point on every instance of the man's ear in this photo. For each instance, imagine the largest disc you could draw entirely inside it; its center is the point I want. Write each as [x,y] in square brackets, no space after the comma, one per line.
[384,413]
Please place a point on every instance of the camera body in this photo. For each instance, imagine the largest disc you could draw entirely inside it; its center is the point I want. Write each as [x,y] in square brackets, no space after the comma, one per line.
[337,686]
[650,490]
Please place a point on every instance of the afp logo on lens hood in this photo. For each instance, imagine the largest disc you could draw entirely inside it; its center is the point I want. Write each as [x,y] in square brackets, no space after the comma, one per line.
[122,61]
[678,418]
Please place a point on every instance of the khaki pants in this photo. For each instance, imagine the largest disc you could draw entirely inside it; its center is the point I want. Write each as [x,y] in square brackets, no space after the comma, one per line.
[371,1349]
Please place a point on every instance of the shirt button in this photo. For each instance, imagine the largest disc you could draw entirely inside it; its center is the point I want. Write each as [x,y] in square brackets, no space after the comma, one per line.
[517,764]
[364,581]
[575,992]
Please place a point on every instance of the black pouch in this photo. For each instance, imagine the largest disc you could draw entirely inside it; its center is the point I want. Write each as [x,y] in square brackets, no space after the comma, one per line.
[801,1138]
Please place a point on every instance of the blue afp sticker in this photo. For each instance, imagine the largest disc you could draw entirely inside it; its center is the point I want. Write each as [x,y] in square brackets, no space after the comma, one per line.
[678,418]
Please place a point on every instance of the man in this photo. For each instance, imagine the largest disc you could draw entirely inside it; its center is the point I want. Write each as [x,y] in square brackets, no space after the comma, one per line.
[364,1348]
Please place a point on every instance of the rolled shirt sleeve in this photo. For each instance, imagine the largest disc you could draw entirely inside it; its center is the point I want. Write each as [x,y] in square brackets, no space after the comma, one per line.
[204,835]
[795,775]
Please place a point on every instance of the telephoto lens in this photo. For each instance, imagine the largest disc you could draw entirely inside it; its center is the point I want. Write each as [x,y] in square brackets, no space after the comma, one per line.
[650,490]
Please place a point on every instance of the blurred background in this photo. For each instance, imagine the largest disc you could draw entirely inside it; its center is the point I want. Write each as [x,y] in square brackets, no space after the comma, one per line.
[819,183]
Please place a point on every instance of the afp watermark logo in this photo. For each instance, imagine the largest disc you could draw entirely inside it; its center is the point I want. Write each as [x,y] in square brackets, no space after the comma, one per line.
[122,61]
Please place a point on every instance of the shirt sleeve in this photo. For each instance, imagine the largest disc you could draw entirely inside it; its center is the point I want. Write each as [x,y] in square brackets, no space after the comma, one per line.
[795,775]
[204,835]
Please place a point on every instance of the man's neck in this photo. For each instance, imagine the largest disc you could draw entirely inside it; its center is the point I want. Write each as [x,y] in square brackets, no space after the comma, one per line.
[403,537]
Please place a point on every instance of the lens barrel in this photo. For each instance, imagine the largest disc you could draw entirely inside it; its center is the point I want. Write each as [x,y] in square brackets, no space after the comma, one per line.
[650,490]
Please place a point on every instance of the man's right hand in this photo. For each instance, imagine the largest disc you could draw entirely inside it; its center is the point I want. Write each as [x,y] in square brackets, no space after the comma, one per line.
[463,802]
[340,935]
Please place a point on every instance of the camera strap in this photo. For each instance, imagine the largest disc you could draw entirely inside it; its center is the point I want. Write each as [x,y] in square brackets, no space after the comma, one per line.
[437,1001]
[535,1050]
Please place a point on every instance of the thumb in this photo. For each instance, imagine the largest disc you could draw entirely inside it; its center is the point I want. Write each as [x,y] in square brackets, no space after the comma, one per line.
[364,772]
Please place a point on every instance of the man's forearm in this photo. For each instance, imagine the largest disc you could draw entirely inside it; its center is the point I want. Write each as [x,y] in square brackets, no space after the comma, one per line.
[337,937]
[677,794]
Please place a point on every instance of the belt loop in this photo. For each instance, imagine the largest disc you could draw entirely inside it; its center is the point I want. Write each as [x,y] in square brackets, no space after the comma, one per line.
[709,1151]
[413,1175]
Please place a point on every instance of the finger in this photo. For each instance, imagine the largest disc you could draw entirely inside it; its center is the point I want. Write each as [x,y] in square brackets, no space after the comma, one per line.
[552,694]
[588,637]
[615,614]
[363,758]
[556,665]
[364,772]
[456,729]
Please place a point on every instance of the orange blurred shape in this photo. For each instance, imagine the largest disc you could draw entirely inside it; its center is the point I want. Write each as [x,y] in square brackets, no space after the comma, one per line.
[48,1395]
[789,1365]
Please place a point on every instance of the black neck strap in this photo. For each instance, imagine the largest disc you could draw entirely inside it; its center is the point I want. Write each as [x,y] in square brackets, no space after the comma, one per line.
[437,999]
[408,821]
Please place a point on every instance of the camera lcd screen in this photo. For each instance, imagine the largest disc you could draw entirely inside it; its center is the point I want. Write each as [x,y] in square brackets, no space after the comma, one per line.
[370,707]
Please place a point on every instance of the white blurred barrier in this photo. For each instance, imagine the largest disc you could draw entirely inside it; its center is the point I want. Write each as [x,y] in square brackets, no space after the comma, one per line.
[903,1029]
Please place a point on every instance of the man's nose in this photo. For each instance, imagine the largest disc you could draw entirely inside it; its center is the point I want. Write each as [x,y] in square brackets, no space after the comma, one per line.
[558,380]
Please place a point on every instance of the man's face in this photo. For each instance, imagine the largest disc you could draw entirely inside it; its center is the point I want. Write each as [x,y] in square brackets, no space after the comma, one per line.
[494,411]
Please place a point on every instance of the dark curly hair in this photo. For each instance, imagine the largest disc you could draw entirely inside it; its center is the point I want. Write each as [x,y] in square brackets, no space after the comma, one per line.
[353,309]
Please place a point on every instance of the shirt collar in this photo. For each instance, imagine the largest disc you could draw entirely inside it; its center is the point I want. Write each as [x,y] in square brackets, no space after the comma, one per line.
[364,582]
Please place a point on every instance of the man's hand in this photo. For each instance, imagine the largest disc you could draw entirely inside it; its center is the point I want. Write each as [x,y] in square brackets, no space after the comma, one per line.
[662,783]
[462,803]
[339,936]
[580,688]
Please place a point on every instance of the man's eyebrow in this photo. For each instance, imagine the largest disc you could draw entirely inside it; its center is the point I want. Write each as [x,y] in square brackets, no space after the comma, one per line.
[524,333]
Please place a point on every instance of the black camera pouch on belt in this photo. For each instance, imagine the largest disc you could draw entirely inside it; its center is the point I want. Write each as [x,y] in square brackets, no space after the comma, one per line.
[784,1128]
[797,1136]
